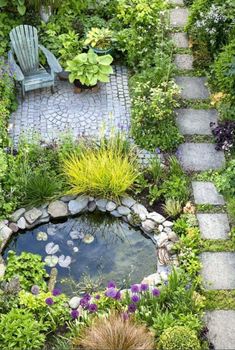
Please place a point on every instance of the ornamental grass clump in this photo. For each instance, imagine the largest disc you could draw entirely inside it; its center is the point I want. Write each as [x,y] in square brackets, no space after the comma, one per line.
[116,332]
[106,171]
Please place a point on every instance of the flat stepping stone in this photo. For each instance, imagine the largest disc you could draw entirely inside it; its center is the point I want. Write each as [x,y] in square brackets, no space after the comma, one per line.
[214,226]
[184,61]
[180,40]
[176,2]
[218,270]
[179,17]
[200,156]
[195,121]
[206,193]
[221,328]
[192,88]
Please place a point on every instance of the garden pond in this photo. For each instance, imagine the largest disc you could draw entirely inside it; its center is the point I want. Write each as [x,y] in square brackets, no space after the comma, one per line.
[92,247]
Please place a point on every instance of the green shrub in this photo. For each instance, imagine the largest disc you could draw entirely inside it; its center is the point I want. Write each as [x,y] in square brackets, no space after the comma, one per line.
[225,181]
[28,267]
[222,66]
[179,338]
[20,331]
[106,172]
[231,209]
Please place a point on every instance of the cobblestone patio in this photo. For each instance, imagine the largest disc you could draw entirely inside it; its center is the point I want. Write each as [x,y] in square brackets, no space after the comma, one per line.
[85,114]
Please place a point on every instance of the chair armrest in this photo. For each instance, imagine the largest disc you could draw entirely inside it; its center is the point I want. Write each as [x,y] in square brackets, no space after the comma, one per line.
[51,60]
[17,72]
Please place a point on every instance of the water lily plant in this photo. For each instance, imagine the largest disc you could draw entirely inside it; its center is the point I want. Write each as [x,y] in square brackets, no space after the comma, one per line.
[89,68]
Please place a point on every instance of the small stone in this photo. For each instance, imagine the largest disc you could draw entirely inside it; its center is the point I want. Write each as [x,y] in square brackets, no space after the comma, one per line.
[74,302]
[168,224]
[111,206]
[140,210]
[172,236]
[21,223]
[167,229]
[68,198]
[158,218]
[5,232]
[164,275]
[160,228]
[17,214]
[32,215]
[58,209]
[14,227]
[161,239]
[116,214]
[152,280]
[91,206]
[2,269]
[124,211]
[148,225]
[128,201]
[170,246]
[78,205]
[101,204]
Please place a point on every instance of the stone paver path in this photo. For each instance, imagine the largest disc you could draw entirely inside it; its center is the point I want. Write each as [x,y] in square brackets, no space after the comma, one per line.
[192,88]
[221,325]
[195,121]
[213,226]
[85,114]
[206,193]
[218,268]
[200,157]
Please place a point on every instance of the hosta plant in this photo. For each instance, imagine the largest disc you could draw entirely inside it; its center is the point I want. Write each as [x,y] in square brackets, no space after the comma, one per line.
[99,38]
[89,68]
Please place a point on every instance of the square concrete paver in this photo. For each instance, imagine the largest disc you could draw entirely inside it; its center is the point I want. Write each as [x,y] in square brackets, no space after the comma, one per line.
[218,270]
[213,226]
[180,40]
[184,61]
[221,328]
[200,156]
[179,17]
[195,121]
[192,88]
[206,193]
[176,2]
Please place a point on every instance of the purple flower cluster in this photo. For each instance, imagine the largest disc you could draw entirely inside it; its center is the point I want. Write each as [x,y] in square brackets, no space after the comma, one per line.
[112,291]
[85,303]
[49,301]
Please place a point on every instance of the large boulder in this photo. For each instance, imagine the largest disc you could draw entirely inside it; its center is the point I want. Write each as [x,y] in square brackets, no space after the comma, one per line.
[78,205]
[32,215]
[57,209]
[140,210]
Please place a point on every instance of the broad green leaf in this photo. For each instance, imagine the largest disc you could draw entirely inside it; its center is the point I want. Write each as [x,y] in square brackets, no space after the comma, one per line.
[3,3]
[21,9]
[106,69]
[82,57]
[103,78]
[106,60]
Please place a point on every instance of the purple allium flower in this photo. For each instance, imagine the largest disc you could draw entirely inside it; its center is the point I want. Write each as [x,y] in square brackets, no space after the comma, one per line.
[97,296]
[49,301]
[135,288]
[111,292]
[118,295]
[144,287]
[35,290]
[125,316]
[56,292]
[87,297]
[135,298]
[156,292]
[111,284]
[74,314]
[84,303]
[93,308]
[132,308]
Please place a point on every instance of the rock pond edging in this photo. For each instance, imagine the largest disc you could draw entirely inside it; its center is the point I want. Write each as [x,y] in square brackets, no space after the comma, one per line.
[153,224]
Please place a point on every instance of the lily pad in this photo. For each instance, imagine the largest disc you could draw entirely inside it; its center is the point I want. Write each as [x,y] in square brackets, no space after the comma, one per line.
[74,234]
[64,261]
[52,248]
[51,231]
[42,236]
[88,239]
[51,260]
[75,249]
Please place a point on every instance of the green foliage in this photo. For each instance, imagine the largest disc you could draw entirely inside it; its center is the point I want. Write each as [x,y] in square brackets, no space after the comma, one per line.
[225,181]
[231,209]
[99,38]
[179,338]
[222,66]
[7,22]
[89,68]
[220,299]
[106,172]
[20,331]
[172,207]
[28,267]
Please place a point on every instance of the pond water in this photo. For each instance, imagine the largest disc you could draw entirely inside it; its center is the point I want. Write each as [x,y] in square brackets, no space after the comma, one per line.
[92,247]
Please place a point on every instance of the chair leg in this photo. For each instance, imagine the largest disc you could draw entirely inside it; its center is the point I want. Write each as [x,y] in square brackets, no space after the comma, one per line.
[23,92]
[52,89]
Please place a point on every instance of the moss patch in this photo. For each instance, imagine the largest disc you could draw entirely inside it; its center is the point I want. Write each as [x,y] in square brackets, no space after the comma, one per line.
[220,299]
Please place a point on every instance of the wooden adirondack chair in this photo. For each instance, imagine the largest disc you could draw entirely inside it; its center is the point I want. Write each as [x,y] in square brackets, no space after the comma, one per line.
[27,70]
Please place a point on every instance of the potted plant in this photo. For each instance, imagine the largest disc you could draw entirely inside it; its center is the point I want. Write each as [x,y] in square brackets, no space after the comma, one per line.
[86,69]
[99,40]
